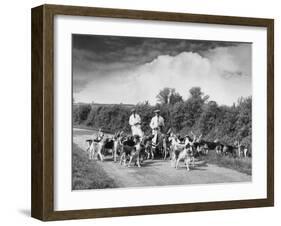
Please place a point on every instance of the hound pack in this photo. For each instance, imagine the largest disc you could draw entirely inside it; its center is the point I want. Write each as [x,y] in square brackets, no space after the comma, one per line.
[130,150]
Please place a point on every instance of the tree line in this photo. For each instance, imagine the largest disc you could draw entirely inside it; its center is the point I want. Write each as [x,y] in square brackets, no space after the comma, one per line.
[196,113]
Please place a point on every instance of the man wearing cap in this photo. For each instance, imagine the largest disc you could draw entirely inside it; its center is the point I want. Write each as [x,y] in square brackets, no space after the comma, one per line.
[135,123]
[156,124]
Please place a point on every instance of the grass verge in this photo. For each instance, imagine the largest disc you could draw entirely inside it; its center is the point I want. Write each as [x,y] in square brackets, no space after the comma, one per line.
[243,165]
[87,174]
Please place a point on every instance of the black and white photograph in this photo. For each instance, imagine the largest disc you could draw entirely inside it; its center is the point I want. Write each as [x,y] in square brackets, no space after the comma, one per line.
[160,112]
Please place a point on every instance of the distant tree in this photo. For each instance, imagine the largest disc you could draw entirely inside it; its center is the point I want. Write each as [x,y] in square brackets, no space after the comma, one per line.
[80,113]
[244,120]
[226,128]
[168,96]
[208,118]
[196,93]
[194,106]
[178,116]
[145,110]
[163,96]
[175,97]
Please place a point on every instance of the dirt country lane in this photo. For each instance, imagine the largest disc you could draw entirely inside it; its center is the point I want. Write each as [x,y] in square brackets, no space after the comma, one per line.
[160,172]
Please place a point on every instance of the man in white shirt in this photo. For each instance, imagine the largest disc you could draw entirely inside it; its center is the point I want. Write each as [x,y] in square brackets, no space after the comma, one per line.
[156,124]
[135,123]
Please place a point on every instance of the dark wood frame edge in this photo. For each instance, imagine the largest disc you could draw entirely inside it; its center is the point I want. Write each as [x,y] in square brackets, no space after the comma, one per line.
[37,113]
[42,197]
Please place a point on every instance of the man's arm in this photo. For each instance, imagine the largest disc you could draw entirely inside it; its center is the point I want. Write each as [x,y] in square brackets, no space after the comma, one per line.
[151,124]
[138,120]
[131,123]
[163,123]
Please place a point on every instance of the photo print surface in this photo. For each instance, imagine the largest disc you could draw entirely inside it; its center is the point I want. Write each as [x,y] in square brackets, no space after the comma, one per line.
[160,112]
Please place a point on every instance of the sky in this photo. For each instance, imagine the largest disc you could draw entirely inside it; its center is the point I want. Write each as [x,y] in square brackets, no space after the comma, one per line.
[130,70]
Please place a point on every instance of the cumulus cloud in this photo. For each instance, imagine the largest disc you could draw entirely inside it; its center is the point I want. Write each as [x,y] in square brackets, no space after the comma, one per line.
[224,73]
[98,55]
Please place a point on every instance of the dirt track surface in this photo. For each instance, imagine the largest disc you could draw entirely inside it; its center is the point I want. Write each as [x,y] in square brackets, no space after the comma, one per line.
[160,172]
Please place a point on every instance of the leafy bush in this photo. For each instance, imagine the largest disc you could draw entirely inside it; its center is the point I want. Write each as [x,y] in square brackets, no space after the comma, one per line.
[196,113]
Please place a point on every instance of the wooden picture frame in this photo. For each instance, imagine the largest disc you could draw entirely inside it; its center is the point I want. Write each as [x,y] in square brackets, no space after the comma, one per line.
[42,203]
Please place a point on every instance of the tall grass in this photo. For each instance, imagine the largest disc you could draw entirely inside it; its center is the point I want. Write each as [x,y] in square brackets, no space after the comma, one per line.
[243,165]
[87,174]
